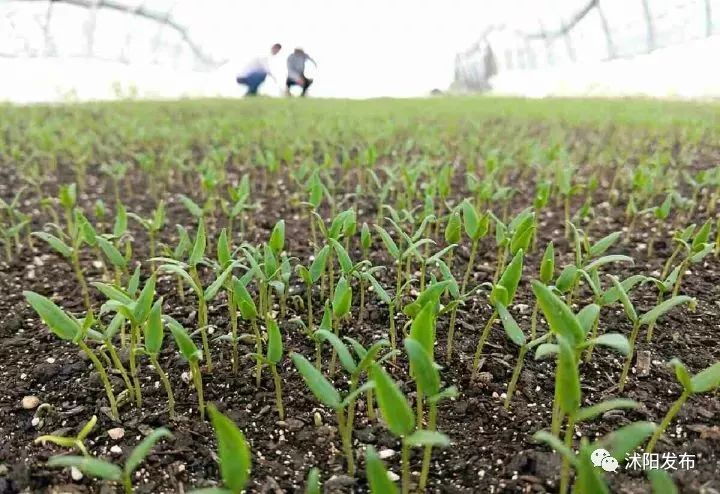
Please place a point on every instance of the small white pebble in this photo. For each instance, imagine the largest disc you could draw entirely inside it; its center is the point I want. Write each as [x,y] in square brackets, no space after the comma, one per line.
[116,433]
[30,402]
[75,474]
[50,360]
[116,450]
[522,308]
[386,453]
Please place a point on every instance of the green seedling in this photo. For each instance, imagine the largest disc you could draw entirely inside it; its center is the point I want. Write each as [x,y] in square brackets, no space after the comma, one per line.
[443,186]
[67,327]
[645,319]
[341,223]
[153,225]
[233,454]
[11,229]
[99,244]
[661,214]
[116,258]
[702,382]
[224,260]
[105,336]
[400,420]
[564,174]
[503,294]
[239,204]
[422,330]
[272,358]
[606,297]
[427,379]
[192,278]
[383,188]
[192,355]
[316,191]
[516,335]
[109,471]
[266,270]
[694,252]
[282,283]
[619,443]
[120,240]
[589,259]
[664,287]
[136,310]
[68,200]
[341,303]
[277,238]
[76,236]
[366,357]
[77,442]
[248,310]
[542,196]
[568,396]
[349,228]
[377,474]
[154,335]
[365,243]
[177,255]
[193,208]
[453,233]
[117,172]
[574,329]
[312,483]
[311,276]
[456,300]
[661,482]
[410,245]
[476,227]
[330,397]
[512,238]
[391,301]
[547,274]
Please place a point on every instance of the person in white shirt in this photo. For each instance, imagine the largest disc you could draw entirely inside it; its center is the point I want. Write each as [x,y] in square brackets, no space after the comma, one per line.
[257,71]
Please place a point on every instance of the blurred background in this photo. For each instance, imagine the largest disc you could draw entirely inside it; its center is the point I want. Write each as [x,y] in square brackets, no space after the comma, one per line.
[106,49]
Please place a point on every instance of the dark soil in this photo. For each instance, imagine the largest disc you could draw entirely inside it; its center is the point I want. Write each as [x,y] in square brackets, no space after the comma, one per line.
[492,449]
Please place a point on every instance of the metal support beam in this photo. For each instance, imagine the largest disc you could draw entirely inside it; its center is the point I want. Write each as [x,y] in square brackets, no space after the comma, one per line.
[90,26]
[548,44]
[606,29]
[146,13]
[708,18]
[650,28]
[568,43]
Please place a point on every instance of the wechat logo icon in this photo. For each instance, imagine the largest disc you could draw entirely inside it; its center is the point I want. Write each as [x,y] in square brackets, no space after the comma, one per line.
[601,458]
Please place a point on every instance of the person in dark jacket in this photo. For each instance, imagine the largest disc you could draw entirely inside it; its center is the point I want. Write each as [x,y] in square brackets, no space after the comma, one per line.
[296,70]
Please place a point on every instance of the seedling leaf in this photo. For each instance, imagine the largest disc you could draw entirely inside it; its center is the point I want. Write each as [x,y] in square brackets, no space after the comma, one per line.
[233,451]
[318,384]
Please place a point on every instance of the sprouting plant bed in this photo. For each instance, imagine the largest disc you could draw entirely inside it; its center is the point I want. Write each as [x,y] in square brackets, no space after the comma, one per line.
[459,295]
